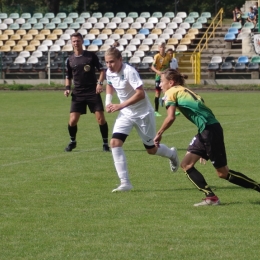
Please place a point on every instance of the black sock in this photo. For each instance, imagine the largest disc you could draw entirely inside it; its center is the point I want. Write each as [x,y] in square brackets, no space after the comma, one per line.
[156,103]
[198,180]
[73,131]
[104,132]
[242,180]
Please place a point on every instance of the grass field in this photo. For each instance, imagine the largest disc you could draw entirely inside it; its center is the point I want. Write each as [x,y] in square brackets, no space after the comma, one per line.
[57,205]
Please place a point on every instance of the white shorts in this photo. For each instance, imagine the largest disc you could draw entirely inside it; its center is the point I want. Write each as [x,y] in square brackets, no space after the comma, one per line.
[145,127]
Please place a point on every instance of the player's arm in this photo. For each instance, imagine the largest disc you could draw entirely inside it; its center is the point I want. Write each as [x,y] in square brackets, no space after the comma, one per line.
[68,80]
[139,95]
[109,96]
[168,121]
[155,70]
[99,87]
[68,87]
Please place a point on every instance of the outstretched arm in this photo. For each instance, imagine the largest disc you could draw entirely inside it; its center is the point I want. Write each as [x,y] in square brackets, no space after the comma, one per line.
[139,95]
[168,121]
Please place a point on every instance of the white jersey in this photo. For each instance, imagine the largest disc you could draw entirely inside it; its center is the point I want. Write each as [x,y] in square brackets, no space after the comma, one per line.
[174,64]
[125,83]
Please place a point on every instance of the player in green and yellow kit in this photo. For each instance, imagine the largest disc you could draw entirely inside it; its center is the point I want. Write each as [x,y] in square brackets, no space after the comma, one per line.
[160,63]
[208,143]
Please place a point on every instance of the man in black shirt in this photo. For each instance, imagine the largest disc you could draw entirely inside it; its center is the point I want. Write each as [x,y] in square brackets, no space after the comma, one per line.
[81,66]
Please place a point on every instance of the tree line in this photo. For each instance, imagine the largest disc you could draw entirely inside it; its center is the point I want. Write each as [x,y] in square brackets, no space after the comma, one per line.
[55,6]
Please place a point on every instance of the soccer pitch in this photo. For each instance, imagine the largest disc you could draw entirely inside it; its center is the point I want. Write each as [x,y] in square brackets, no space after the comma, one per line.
[58,205]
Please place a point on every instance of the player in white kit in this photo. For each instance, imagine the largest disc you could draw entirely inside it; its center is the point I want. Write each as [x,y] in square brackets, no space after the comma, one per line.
[135,111]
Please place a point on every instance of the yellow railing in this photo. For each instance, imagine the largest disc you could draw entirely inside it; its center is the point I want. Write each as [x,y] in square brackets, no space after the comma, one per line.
[216,22]
[203,43]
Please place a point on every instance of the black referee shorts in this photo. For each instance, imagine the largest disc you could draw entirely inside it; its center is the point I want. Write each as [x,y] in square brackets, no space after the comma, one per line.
[79,104]
[210,145]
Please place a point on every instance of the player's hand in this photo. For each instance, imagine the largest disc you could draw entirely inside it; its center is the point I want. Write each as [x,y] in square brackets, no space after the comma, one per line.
[99,89]
[202,161]
[113,107]
[157,139]
[66,93]
[108,109]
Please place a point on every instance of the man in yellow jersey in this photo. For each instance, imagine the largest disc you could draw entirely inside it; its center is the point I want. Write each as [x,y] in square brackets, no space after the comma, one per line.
[160,63]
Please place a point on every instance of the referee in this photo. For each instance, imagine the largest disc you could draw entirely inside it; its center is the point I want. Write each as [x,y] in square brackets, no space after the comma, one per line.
[81,67]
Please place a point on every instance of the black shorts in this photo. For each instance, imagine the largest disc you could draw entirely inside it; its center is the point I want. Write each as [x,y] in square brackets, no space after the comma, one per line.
[210,145]
[157,85]
[79,104]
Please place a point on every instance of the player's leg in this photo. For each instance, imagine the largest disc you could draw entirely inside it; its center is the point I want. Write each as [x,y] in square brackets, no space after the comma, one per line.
[157,97]
[145,128]
[72,129]
[237,178]
[121,130]
[77,108]
[103,127]
[188,166]
[95,105]
[196,150]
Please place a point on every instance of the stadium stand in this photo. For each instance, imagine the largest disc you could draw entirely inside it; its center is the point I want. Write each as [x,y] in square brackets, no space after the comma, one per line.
[138,35]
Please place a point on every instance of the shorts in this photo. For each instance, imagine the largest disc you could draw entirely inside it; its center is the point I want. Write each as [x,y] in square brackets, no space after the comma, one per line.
[157,85]
[145,127]
[210,145]
[79,104]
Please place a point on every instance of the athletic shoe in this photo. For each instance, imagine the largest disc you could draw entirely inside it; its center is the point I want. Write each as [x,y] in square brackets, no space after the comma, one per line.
[71,146]
[177,113]
[208,201]
[174,161]
[106,148]
[157,114]
[123,187]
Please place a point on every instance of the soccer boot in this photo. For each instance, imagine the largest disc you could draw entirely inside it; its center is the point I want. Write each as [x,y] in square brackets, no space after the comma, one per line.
[71,146]
[174,161]
[208,201]
[123,187]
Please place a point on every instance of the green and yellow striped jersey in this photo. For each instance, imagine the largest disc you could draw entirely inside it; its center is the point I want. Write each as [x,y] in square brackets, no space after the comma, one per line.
[191,105]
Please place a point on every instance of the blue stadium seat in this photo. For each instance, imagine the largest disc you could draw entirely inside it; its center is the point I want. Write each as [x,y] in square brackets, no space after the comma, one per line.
[243,59]
[144,31]
[97,42]
[229,37]
[233,30]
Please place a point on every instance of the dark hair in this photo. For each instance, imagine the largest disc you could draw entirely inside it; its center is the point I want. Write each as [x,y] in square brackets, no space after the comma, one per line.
[171,74]
[77,34]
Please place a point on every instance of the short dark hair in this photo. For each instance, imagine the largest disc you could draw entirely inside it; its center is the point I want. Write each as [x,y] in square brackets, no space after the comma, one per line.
[76,34]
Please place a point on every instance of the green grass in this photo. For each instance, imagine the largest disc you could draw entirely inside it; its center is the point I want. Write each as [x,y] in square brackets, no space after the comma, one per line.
[57,205]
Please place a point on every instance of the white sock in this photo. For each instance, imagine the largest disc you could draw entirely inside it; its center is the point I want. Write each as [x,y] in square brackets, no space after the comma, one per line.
[120,164]
[164,151]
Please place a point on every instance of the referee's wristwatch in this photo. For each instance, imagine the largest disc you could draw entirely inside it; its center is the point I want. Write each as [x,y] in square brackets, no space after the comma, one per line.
[100,83]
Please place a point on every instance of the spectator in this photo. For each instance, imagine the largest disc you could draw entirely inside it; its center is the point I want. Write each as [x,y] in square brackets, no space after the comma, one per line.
[251,16]
[237,15]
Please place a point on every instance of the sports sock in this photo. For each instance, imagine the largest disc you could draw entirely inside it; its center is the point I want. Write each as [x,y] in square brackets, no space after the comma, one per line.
[104,132]
[242,180]
[72,131]
[156,103]
[120,164]
[198,180]
[164,151]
